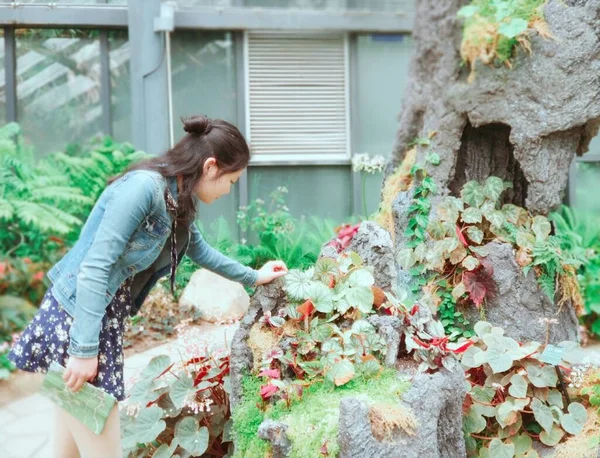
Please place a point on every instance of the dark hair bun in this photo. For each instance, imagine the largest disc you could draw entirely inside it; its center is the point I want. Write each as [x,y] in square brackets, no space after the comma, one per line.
[199,125]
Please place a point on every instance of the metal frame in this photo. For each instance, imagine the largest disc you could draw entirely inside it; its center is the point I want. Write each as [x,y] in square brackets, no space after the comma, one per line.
[10,73]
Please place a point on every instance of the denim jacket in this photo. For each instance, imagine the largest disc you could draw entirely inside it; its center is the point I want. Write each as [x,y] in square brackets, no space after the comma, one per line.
[124,235]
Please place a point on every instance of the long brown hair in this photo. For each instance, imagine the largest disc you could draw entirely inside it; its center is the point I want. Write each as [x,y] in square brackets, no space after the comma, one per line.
[205,138]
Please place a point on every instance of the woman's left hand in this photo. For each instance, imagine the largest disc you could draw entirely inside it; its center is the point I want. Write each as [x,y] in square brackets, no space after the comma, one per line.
[270,271]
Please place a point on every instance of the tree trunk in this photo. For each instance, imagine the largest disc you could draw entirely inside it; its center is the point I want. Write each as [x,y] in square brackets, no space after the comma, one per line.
[523,124]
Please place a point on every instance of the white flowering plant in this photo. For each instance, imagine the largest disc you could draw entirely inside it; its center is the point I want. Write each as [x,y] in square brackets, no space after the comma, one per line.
[367,165]
[179,409]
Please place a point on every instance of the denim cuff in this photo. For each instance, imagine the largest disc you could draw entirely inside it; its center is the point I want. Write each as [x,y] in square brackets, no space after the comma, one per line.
[82,351]
[250,278]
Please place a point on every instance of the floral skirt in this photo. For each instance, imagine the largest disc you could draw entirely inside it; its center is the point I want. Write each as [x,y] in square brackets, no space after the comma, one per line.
[46,339]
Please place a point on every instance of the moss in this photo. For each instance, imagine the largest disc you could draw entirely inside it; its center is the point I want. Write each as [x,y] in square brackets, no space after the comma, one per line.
[315,418]
[481,37]
[247,417]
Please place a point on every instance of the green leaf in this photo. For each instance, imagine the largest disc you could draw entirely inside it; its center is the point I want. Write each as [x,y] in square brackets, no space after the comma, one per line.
[361,277]
[361,298]
[525,240]
[341,372]
[468,11]
[475,234]
[180,390]
[149,424]
[541,228]
[449,208]
[471,215]
[542,414]
[433,158]
[473,422]
[513,28]
[541,376]
[141,392]
[429,184]
[518,386]
[459,290]
[321,296]
[498,449]
[493,188]
[165,451]
[325,267]
[574,421]
[472,194]
[470,263]
[192,439]
[495,217]
[297,283]
[522,443]
[553,437]
[483,393]
[436,230]
[405,258]
[156,366]
[507,413]
[555,398]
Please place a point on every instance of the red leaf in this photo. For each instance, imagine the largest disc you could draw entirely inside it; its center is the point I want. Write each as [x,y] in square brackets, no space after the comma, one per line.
[421,343]
[27,260]
[306,309]
[39,276]
[378,296]
[475,288]
[266,391]
[324,451]
[460,236]
[331,281]
[414,309]
[200,375]
[463,348]
[271,373]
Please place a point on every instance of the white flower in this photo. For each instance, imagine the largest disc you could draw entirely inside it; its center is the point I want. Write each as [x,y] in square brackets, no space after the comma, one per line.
[364,163]
[61,333]
[17,350]
[46,304]
[38,331]
[36,348]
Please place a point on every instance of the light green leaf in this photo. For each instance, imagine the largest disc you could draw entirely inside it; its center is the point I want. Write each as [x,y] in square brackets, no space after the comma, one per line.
[470,263]
[458,254]
[448,209]
[420,252]
[541,228]
[156,366]
[297,283]
[361,277]
[482,393]
[507,411]
[493,188]
[436,229]
[473,422]
[472,194]
[361,298]
[475,234]
[498,449]
[542,414]
[459,290]
[525,240]
[468,357]
[325,267]
[495,217]
[321,296]
[555,398]
[522,443]
[433,158]
[356,259]
[468,11]
[165,451]
[193,439]
[553,437]
[482,328]
[471,215]
[541,376]
[141,392]
[180,390]
[149,424]
[513,28]
[574,421]
[405,258]
[518,386]
[341,372]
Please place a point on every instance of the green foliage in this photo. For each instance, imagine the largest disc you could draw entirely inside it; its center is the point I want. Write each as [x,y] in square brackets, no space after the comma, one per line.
[513,392]
[166,408]
[318,412]
[578,232]
[494,28]
[275,234]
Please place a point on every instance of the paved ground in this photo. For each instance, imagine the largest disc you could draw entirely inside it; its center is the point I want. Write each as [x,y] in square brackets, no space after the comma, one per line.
[25,425]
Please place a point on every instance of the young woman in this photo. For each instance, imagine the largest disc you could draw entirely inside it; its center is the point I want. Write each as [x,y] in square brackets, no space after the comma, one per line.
[137,232]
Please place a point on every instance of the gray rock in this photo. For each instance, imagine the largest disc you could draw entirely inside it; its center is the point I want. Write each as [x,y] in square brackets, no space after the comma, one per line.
[519,304]
[436,402]
[275,432]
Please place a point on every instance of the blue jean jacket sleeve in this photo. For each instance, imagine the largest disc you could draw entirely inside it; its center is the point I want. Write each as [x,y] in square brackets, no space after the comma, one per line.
[128,203]
[206,256]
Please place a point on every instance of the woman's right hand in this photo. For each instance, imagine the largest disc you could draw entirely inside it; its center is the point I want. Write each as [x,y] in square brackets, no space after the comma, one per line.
[79,371]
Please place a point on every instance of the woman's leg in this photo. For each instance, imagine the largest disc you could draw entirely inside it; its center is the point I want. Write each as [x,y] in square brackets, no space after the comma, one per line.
[63,445]
[91,445]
